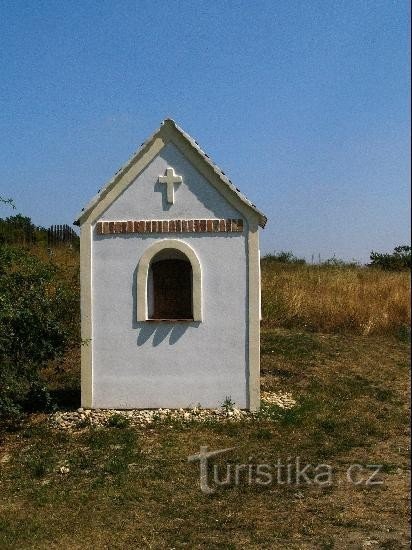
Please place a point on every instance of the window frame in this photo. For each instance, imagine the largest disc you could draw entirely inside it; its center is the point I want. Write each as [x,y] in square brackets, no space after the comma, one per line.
[143,275]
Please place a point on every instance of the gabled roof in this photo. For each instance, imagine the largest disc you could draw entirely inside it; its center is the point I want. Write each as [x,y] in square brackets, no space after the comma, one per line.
[164,131]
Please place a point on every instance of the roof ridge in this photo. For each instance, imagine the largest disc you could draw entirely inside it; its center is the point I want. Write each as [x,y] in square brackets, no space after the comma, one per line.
[218,171]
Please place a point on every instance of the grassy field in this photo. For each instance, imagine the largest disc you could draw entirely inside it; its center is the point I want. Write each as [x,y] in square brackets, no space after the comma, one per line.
[134,487]
[326,298]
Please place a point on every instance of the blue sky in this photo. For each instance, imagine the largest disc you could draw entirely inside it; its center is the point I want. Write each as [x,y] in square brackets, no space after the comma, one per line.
[305,105]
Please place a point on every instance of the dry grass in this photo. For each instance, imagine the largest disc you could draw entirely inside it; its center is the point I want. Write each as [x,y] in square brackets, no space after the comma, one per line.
[67,259]
[335,299]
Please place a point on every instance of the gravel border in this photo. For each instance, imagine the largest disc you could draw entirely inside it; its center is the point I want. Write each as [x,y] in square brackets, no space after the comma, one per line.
[83,418]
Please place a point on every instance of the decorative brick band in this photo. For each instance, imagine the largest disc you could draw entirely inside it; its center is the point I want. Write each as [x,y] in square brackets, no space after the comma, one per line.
[169,226]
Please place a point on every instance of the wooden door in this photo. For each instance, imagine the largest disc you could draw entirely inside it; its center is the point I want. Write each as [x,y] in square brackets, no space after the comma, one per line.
[172,289]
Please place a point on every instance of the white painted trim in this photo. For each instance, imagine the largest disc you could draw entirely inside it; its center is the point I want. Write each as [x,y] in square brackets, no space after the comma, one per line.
[254,317]
[122,180]
[206,169]
[86,315]
[143,272]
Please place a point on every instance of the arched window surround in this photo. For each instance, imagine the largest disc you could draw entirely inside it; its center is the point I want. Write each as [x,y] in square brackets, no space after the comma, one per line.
[143,272]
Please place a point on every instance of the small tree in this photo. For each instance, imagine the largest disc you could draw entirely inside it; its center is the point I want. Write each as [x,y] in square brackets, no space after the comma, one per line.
[398,260]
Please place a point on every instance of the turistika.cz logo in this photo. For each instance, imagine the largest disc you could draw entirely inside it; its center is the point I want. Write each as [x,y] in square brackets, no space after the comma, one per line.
[292,471]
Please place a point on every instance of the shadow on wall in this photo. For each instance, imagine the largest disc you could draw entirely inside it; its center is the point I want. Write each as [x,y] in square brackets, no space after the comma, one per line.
[161,188]
[160,331]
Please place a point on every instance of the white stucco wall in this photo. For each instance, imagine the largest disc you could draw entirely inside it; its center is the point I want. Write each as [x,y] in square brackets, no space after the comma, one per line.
[139,364]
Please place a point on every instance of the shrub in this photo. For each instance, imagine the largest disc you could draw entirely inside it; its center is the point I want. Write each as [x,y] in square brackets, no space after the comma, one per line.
[398,260]
[36,325]
[284,257]
[338,262]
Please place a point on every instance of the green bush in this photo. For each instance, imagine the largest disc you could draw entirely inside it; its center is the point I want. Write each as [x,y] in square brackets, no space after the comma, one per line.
[36,325]
[283,257]
[118,421]
[398,260]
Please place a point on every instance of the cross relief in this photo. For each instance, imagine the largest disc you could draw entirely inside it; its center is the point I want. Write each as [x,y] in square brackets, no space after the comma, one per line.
[170,178]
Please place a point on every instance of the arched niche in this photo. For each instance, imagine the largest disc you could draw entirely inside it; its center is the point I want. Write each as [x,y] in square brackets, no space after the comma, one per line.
[164,250]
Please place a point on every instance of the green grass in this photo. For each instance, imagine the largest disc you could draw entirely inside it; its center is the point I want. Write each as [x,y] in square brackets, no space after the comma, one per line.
[290,344]
[128,487]
[118,421]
